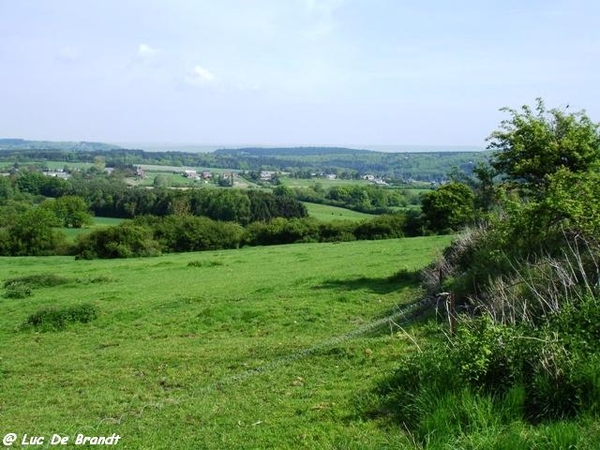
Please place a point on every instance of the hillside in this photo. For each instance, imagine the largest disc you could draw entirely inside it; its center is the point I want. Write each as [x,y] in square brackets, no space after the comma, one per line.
[250,348]
[23,144]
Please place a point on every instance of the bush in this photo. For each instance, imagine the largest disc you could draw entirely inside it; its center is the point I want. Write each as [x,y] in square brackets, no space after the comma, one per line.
[191,233]
[17,290]
[55,319]
[38,280]
[387,226]
[282,231]
[121,241]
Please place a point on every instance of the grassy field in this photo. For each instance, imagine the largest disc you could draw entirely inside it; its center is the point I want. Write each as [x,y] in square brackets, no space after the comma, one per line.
[50,164]
[72,233]
[328,213]
[325,183]
[249,348]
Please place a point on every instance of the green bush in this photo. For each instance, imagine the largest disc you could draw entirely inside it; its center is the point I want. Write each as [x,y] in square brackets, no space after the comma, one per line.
[121,241]
[38,280]
[387,226]
[16,289]
[55,319]
[527,373]
[198,263]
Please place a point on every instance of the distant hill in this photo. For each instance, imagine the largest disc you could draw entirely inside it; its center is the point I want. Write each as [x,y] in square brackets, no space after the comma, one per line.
[424,166]
[23,144]
[291,151]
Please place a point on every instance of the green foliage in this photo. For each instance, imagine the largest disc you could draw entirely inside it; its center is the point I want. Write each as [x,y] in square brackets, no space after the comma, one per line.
[282,231]
[31,234]
[535,143]
[571,201]
[505,373]
[199,263]
[449,207]
[70,210]
[38,280]
[56,319]
[6,189]
[16,289]
[190,233]
[386,226]
[121,241]
[161,181]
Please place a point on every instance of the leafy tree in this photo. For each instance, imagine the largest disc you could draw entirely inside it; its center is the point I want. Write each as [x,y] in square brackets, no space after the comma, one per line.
[161,180]
[6,189]
[70,211]
[32,234]
[449,207]
[535,143]
[387,226]
[121,241]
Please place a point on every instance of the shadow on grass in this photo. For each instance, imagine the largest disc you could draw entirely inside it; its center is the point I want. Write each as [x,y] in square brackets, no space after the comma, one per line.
[400,280]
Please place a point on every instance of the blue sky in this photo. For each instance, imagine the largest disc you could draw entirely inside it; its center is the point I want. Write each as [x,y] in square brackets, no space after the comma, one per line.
[290,72]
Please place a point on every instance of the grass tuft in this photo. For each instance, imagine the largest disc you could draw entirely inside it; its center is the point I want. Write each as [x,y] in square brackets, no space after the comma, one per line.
[17,289]
[56,319]
[38,280]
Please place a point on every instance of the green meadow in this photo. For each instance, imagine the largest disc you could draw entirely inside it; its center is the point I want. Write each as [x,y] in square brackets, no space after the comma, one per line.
[327,213]
[323,182]
[72,233]
[251,348]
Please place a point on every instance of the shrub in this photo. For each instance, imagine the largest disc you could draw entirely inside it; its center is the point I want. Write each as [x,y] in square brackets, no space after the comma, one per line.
[122,241]
[198,263]
[190,233]
[54,319]
[38,280]
[17,290]
[387,226]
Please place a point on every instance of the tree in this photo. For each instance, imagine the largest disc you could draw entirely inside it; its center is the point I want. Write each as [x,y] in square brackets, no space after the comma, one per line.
[32,234]
[449,207]
[535,143]
[70,211]
[161,180]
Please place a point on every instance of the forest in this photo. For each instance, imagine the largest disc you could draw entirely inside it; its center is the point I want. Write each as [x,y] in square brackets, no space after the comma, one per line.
[298,162]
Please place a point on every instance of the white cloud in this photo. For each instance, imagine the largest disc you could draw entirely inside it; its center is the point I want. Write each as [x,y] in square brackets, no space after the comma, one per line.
[200,77]
[145,52]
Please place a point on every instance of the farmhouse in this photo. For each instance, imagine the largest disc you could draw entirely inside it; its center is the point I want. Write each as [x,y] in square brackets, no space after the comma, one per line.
[190,174]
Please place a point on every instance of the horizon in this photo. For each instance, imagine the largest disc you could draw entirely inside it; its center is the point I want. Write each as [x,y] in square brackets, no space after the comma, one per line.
[207,147]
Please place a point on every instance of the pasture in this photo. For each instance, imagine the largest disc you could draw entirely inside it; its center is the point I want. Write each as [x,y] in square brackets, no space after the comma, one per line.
[249,348]
[327,213]
[72,233]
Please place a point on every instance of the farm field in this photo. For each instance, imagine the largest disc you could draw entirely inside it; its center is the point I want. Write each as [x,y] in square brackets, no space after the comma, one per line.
[249,348]
[327,213]
[50,164]
[324,182]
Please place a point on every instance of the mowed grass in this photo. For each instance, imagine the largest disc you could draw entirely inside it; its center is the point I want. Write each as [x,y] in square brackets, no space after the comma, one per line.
[222,349]
[328,213]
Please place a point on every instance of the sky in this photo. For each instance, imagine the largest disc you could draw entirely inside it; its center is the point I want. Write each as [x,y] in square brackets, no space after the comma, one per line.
[290,72]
